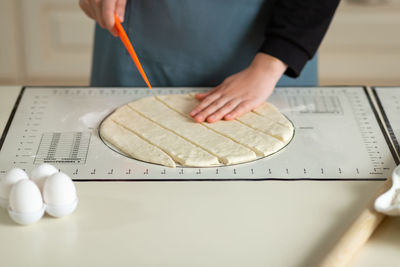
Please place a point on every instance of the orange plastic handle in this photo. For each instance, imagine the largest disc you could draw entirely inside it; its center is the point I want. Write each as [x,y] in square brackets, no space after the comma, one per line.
[129,47]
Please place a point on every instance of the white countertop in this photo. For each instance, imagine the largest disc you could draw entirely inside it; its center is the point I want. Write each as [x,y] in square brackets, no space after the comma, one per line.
[263,223]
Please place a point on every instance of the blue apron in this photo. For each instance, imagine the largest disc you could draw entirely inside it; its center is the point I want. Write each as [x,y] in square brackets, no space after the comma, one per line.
[186,43]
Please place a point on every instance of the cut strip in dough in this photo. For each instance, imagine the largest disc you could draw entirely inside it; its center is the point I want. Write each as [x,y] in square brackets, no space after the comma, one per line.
[228,151]
[262,144]
[181,103]
[182,151]
[186,103]
[270,111]
[133,145]
[267,126]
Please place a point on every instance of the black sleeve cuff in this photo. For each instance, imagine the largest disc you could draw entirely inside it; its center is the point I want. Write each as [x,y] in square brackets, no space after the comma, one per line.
[288,52]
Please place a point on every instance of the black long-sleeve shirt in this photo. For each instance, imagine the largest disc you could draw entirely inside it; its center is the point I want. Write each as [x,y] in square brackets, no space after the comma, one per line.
[296,29]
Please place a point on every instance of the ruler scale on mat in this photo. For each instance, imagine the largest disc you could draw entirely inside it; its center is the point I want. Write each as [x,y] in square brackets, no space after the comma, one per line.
[337,136]
[388,100]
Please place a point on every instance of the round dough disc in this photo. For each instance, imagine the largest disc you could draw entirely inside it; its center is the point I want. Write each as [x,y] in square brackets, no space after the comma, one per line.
[158,130]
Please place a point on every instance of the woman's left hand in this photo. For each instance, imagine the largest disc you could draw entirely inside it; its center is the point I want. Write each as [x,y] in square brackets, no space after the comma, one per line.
[241,92]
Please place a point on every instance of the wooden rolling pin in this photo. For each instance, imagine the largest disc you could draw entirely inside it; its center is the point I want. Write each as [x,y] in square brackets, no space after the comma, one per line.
[357,235]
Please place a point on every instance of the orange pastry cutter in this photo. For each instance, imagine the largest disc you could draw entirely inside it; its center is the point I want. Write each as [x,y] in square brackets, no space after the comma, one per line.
[129,47]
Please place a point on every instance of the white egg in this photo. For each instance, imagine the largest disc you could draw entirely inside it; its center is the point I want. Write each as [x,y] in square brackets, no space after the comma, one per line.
[59,194]
[41,173]
[25,197]
[13,176]
[26,204]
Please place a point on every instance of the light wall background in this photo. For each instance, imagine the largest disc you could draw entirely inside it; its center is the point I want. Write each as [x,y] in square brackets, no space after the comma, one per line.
[49,42]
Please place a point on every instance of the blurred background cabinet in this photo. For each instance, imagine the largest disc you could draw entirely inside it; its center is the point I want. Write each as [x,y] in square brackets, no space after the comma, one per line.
[363,44]
[45,42]
[49,42]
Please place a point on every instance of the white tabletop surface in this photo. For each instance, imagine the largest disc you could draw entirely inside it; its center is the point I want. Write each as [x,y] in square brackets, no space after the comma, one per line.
[264,223]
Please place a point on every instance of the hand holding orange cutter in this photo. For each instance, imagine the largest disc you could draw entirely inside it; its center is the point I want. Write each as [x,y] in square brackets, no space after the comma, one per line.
[129,47]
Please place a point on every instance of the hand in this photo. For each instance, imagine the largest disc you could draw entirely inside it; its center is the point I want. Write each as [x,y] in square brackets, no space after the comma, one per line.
[240,92]
[103,11]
